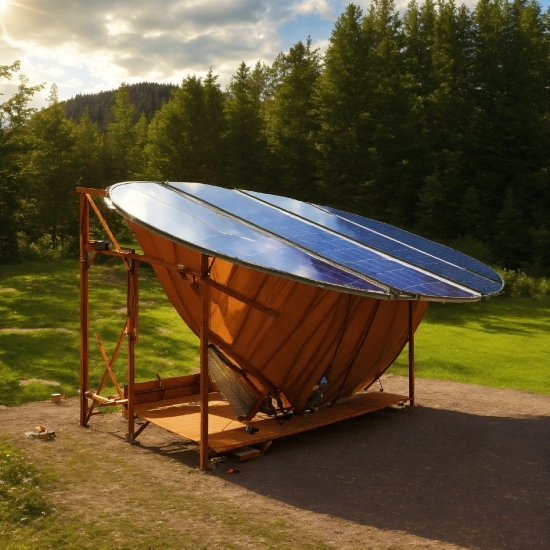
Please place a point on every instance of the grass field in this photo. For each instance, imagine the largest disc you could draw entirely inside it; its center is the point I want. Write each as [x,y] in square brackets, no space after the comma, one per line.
[39,329]
[503,342]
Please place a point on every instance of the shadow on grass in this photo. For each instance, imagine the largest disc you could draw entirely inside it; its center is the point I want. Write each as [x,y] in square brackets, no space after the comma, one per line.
[502,315]
[474,481]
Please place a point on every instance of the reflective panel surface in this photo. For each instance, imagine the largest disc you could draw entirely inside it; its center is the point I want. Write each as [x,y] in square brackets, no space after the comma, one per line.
[302,241]
[433,257]
[182,220]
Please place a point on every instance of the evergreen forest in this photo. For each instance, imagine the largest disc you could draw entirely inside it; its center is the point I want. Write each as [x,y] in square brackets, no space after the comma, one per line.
[435,119]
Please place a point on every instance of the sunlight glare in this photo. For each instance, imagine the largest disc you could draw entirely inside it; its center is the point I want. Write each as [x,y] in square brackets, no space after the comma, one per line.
[4,5]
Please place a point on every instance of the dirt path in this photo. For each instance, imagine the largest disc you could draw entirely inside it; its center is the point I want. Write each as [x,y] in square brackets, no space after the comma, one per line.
[467,468]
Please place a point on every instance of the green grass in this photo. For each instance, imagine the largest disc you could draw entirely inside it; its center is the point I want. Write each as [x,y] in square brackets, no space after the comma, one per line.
[45,296]
[38,509]
[21,497]
[503,343]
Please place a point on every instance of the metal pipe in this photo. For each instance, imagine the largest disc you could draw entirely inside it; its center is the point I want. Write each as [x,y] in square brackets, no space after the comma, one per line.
[204,378]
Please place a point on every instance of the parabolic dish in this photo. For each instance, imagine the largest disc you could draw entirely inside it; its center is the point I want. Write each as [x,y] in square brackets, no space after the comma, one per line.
[304,242]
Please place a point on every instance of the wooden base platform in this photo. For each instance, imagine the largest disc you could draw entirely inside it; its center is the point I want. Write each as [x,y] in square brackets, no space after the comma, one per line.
[225,433]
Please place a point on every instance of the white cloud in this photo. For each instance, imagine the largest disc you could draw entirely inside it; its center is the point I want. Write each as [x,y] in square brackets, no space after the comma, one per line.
[316,7]
[122,40]
[102,43]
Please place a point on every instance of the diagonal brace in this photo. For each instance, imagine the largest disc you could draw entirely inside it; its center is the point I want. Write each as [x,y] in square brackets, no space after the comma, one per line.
[109,364]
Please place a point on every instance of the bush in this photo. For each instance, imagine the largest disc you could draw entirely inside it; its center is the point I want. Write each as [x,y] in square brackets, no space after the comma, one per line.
[44,248]
[518,283]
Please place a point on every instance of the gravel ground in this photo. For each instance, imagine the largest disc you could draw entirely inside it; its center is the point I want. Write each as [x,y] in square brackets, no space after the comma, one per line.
[468,467]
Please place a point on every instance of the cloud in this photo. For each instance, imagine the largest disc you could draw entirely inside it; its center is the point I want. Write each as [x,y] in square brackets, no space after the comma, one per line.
[102,43]
[322,8]
[141,36]
[110,41]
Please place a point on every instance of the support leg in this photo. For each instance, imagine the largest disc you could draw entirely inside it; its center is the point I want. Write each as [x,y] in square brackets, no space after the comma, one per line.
[411,355]
[204,378]
[84,314]
[132,336]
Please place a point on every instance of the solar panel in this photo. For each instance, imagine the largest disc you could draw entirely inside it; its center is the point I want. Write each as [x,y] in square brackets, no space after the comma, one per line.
[332,245]
[400,244]
[305,242]
[180,219]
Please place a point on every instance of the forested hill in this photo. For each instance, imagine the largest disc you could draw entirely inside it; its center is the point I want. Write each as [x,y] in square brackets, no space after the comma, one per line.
[146,97]
[434,119]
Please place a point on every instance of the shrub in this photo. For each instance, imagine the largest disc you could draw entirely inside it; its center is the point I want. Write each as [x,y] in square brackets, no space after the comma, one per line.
[518,283]
[44,248]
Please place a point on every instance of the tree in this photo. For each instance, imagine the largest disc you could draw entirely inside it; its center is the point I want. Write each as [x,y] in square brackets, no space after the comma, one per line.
[51,174]
[88,153]
[341,109]
[245,140]
[291,121]
[185,135]
[124,140]
[14,115]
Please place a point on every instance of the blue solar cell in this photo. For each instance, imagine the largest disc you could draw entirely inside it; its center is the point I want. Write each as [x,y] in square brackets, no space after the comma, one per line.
[332,246]
[390,244]
[178,218]
[436,249]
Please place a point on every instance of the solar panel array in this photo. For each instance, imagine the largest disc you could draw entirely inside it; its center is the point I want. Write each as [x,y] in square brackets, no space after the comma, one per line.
[305,242]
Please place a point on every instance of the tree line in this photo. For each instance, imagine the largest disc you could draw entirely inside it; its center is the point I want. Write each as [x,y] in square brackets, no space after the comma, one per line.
[146,97]
[435,119]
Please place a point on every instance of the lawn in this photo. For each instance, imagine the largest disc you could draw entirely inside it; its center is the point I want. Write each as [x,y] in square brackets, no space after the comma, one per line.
[39,329]
[503,342]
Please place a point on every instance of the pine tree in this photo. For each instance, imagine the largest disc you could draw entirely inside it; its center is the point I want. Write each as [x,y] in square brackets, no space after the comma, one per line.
[214,129]
[51,174]
[124,153]
[341,108]
[14,116]
[292,122]
[184,141]
[245,138]
[88,154]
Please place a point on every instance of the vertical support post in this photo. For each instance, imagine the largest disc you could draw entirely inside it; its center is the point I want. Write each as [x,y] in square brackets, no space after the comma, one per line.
[204,378]
[411,354]
[132,324]
[84,235]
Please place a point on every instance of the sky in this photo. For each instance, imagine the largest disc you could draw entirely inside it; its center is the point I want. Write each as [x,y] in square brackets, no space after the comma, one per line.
[86,46]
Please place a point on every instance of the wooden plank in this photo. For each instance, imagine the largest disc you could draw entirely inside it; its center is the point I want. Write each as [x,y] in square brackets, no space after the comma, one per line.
[167,383]
[90,191]
[225,433]
[163,403]
[238,296]
[246,453]
[204,376]
[84,235]
[411,355]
